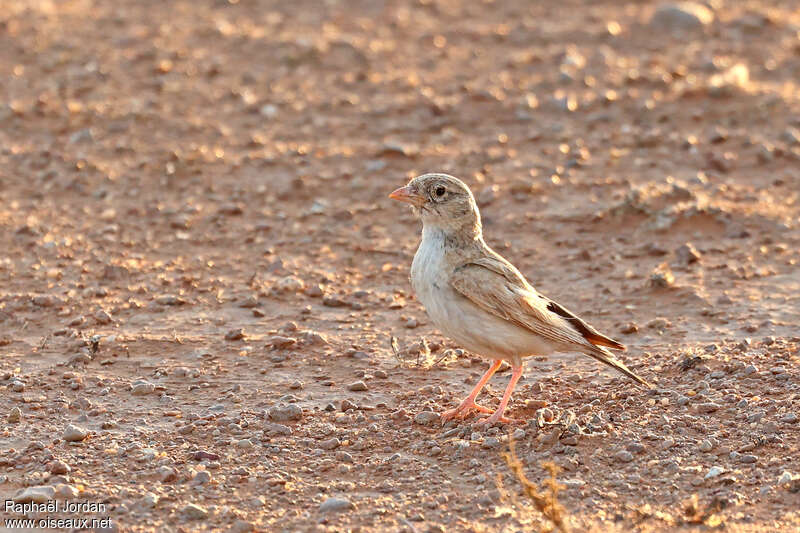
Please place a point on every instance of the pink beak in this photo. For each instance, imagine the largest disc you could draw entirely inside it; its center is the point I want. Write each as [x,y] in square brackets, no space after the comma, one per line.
[405,194]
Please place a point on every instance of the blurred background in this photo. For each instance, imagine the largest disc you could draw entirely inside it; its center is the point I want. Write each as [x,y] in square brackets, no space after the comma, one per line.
[200,181]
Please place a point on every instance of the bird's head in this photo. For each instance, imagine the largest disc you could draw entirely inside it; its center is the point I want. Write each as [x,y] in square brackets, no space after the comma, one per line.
[443,202]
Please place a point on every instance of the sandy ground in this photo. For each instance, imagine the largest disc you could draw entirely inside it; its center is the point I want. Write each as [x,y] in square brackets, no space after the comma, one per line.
[201,272]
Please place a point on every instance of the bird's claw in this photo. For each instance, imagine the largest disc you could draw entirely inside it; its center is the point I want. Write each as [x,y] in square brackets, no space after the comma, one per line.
[461,412]
[495,418]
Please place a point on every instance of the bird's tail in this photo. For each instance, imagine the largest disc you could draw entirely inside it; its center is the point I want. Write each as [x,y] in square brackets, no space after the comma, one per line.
[604,356]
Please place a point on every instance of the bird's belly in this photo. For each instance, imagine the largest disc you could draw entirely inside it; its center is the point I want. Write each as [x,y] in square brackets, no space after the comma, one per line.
[479,331]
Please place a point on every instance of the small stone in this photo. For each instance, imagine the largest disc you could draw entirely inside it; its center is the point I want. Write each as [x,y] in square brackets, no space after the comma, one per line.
[235,334]
[713,472]
[37,494]
[490,443]
[73,433]
[335,505]
[282,413]
[708,407]
[66,492]
[346,405]
[15,415]
[142,388]
[705,446]
[630,328]
[295,385]
[623,456]
[194,512]
[276,429]
[203,455]
[682,17]
[357,386]
[786,477]
[635,447]
[58,468]
[201,478]
[427,418]
[245,443]
[289,284]
[687,254]
[17,386]
[789,418]
[241,526]
[279,342]
[518,434]
[167,474]
[662,278]
[330,444]
[381,374]
[750,369]
[102,317]
[748,459]
[412,323]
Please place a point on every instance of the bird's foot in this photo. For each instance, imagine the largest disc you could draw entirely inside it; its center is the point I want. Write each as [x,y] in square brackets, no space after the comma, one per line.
[496,417]
[463,410]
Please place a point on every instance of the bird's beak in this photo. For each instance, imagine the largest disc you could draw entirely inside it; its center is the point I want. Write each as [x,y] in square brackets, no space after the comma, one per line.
[405,194]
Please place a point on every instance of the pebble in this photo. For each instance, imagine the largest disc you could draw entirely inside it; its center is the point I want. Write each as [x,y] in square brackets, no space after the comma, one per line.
[687,254]
[706,446]
[279,342]
[662,278]
[37,494]
[245,443]
[15,415]
[241,526]
[491,443]
[750,369]
[73,433]
[357,386]
[346,405]
[235,334]
[167,473]
[201,455]
[142,388]
[335,505]
[295,385]
[713,472]
[58,468]
[706,408]
[427,418]
[201,478]
[748,459]
[277,429]
[786,477]
[330,444]
[789,418]
[282,413]
[194,512]
[682,17]
[623,456]
[66,492]
[518,434]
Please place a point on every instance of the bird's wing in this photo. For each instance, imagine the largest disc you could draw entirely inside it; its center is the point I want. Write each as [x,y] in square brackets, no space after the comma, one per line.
[493,284]
[497,286]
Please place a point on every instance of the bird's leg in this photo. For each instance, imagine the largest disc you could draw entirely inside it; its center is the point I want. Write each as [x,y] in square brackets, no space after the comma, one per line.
[497,416]
[469,402]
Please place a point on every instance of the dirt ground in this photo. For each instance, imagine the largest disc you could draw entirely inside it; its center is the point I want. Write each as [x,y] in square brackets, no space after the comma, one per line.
[200,270]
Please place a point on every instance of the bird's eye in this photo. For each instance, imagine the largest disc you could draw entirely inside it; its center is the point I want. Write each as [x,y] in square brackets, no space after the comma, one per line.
[440,190]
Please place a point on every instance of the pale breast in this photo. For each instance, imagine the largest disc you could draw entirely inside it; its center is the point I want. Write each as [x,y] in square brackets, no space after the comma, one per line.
[458,318]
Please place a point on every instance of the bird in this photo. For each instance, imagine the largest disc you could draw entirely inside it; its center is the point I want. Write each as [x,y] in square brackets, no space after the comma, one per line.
[481,301]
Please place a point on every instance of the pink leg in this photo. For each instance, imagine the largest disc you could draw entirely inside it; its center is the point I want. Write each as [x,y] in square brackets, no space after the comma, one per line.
[469,402]
[498,415]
